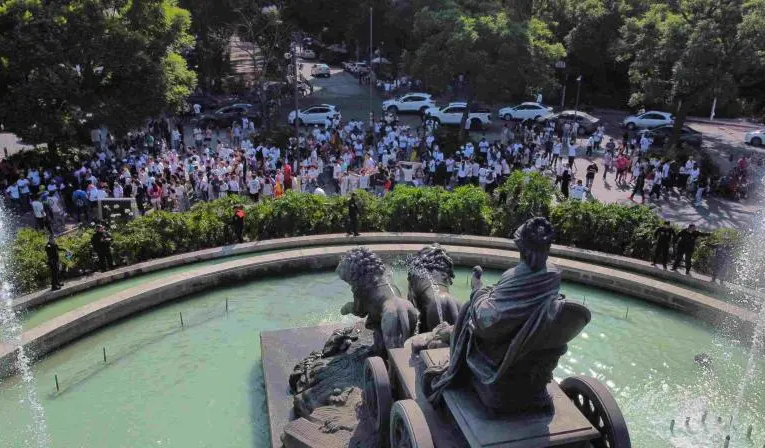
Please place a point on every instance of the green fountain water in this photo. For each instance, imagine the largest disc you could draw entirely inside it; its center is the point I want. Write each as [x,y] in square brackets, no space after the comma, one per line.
[202,386]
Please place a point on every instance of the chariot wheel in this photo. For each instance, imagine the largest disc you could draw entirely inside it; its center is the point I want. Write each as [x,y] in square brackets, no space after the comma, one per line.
[377,393]
[596,403]
[408,427]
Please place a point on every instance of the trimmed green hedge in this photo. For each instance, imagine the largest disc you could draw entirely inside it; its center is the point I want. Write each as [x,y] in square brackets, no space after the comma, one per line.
[610,228]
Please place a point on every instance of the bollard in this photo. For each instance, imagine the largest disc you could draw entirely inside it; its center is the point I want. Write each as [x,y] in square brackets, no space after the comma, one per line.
[104,355]
[719,420]
[181,314]
[727,441]
[672,426]
[56,378]
[749,432]
[627,314]
[227,305]
[584,302]
[687,421]
[704,416]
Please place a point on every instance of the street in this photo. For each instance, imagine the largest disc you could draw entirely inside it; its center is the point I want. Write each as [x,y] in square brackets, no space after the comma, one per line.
[721,140]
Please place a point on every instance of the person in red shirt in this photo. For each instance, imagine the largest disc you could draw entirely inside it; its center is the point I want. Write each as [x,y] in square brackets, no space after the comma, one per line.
[155,196]
[287,176]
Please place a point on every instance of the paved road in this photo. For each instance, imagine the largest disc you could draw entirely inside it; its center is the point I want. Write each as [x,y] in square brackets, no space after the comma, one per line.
[721,141]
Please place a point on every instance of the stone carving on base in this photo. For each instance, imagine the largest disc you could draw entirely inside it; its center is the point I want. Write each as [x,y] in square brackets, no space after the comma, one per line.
[508,338]
[326,385]
[430,275]
[375,297]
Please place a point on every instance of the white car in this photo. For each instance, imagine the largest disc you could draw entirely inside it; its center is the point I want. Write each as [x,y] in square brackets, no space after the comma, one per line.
[478,118]
[648,120]
[523,111]
[308,54]
[320,70]
[755,138]
[411,102]
[314,115]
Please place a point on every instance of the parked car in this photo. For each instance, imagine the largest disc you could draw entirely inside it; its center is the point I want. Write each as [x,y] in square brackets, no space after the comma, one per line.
[661,134]
[411,102]
[314,114]
[755,138]
[320,70]
[587,123]
[208,102]
[227,115]
[648,120]
[308,54]
[451,114]
[525,111]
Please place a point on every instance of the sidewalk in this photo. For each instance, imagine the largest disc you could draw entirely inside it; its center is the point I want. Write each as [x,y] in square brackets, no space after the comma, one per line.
[739,123]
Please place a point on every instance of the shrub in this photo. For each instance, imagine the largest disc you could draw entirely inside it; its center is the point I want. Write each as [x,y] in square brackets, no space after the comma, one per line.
[611,228]
[465,210]
[520,197]
[412,209]
[28,263]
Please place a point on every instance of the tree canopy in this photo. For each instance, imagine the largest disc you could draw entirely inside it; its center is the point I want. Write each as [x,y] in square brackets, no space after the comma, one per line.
[66,66]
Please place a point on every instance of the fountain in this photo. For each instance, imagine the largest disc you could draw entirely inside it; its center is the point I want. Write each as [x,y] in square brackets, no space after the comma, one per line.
[10,332]
[160,380]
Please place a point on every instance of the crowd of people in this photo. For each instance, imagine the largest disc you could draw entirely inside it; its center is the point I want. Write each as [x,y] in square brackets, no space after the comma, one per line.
[161,169]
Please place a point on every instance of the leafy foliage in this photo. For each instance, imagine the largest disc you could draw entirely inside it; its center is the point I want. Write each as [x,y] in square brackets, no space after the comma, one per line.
[611,228]
[467,210]
[67,66]
[520,197]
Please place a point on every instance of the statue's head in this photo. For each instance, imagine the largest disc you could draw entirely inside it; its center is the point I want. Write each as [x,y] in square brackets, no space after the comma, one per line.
[429,260]
[534,239]
[361,266]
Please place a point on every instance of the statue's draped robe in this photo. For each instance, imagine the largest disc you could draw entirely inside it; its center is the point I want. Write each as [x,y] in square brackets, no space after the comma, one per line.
[493,329]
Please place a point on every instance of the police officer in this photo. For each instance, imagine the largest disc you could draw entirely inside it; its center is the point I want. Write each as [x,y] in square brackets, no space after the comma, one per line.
[102,244]
[686,244]
[51,250]
[353,215]
[664,236]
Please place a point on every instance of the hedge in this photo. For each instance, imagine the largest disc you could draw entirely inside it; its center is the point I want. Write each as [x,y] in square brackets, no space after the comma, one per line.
[612,228]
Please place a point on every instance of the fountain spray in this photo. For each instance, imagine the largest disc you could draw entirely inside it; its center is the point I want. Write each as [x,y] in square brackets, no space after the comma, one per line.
[10,333]
[750,264]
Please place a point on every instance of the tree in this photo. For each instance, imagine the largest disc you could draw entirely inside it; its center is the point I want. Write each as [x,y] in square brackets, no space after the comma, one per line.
[681,52]
[480,52]
[69,66]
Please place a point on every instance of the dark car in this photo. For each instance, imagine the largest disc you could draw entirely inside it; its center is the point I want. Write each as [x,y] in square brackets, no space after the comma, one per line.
[226,115]
[587,123]
[662,134]
[208,102]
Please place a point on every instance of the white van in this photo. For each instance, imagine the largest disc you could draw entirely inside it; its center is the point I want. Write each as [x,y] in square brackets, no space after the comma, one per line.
[320,70]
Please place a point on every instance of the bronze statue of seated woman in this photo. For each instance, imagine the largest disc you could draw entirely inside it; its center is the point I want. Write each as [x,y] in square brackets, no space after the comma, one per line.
[508,338]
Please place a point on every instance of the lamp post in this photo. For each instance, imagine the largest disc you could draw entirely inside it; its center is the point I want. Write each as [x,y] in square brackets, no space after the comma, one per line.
[561,65]
[578,87]
[293,54]
[369,75]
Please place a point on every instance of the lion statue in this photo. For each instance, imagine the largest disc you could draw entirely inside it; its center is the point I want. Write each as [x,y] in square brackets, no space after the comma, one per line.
[393,319]
[430,274]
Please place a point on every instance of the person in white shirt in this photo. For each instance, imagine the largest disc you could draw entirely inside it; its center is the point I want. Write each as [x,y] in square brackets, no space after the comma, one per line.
[13,193]
[462,172]
[117,192]
[572,156]
[475,171]
[197,109]
[483,146]
[578,191]
[482,177]
[40,217]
